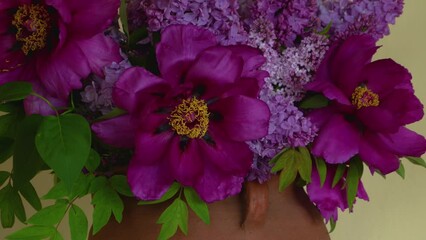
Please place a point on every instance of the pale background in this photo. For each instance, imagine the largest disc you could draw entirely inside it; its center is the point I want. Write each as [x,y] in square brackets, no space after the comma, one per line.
[397,208]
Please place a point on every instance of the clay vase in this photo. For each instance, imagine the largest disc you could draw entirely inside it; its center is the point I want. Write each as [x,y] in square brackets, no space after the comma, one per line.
[260,212]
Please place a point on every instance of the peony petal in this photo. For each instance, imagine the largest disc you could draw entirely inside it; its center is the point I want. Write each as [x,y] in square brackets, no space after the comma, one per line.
[187,165]
[215,185]
[404,143]
[178,48]
[118,132]
[378,119]
[215,69]
[242,118]
[35,105]
[376,155]
[405,107]
[156,147]
[61,8]
[89,17]
[100,51]
[337,140]
[133,82]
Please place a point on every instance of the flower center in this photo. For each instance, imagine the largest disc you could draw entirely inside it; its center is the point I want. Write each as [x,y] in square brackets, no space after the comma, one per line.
[32,22]
[364,97]
[190,118]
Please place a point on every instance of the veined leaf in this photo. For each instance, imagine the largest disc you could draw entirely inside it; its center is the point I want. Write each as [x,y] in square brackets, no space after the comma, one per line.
[322,170]
[123,17]
[332,225]
[175,215]
[197,204]
[339,174]
[119,183]
[14,91]
[284,160]
[313,102]
[50,215]
[352,180]
[93,161]
[29,193]
[78,223]
[106,201]
[305,164]
[32,233]
[288,175]
[58,191]
[174,188]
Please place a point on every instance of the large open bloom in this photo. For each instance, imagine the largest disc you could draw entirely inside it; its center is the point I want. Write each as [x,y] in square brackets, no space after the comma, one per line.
[328,198]
[55,44]
[371,104]
[190,124]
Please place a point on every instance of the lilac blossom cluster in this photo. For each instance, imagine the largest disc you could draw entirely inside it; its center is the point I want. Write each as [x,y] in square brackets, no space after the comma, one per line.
[290,18]
[98,94]
[353,17]
[219,16]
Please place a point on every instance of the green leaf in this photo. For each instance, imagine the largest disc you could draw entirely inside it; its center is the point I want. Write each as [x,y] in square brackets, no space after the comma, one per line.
[401,170]
[197,204]
[50,215]
[123,17]
[98,183]
[352,180]
[3,177]
[288,175]
[93,161]
[7,210]
[417,161]
[6,148]
[305,164]
[9,122]
[339,174]
[274,160]
[81,186]
[174,188]
[175,214]
[78,223]
[58,191]
[116,112]
[29,193]
[322,169]
[314,102]
[325,31]
[17,205]
[26,160]
[14,91]
[106,201]
[332,225]
[64,144]
[167,231]
[119,183]
[283,160]
[57,236]
[32,233]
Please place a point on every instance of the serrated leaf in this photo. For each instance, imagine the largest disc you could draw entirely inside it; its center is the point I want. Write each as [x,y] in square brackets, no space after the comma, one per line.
[64,144]
[173,189]
[26,160]
[322,170]
[3,177]
[314,102]
[119,183]
[340,170]
[284,160]
[6,148]
[97,184]
[56,192]
[50,215]
[93,161]
[14,91]
[401,170]
[32,233]
[29,193]
[352,181]
[106,201]
[81,186]
[101,216]
[78,223]
[417,161]
[176,214]
[305,164]
[287,175]
[197,204]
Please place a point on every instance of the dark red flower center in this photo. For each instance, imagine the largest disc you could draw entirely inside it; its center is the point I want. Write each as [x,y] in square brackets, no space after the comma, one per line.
[364,97]
[33,24]
[190,118]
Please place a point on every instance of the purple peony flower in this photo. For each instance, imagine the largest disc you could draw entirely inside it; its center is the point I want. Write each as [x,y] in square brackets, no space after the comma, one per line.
[328,198]
[371,103]
[190,124]
[55,44]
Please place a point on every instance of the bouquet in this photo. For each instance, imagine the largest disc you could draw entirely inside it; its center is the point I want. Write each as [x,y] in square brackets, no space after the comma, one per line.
[184,101]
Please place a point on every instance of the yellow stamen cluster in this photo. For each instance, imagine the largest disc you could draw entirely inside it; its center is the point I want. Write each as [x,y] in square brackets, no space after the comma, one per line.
[364,97]
[32,22]
[190,118]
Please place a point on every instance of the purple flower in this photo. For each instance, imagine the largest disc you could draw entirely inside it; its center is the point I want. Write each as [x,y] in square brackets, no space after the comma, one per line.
[55,44]
[328,198]
[190,124]
[371,103]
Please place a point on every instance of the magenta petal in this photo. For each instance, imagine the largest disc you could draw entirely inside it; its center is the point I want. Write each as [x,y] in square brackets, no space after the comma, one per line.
[361,193]
[156,147]
[90,17]
[405,107]
[61,8]
[133,81]
[118,132]
[215,185]
[99,51]
[209,68]
[329,90]
[405,143]
[337,141]
[179,46]
[243,118]
[187,165]
[378,119]
[375,154]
